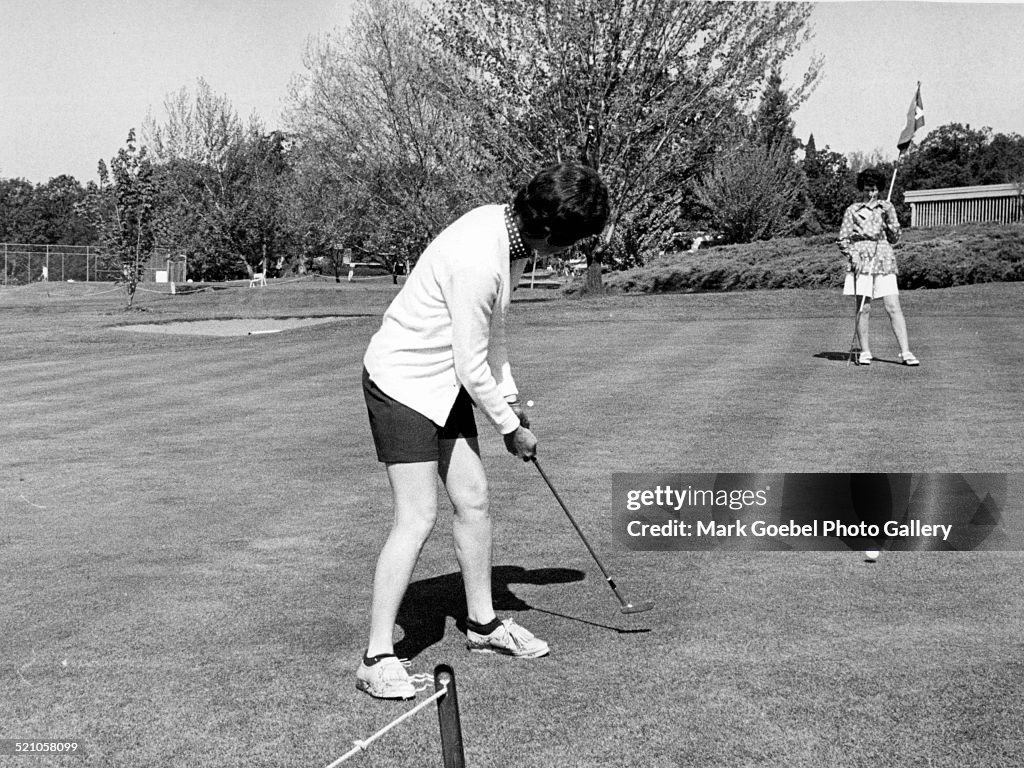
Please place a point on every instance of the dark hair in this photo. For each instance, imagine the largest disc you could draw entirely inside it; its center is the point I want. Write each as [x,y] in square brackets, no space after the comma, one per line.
[871,176]
[564,201]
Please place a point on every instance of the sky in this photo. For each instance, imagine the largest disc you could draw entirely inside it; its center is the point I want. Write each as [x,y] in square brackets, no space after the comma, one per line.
[76,75]
[967,56]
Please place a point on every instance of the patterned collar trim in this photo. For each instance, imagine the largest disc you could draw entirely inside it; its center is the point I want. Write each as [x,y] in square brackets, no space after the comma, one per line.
[516,248]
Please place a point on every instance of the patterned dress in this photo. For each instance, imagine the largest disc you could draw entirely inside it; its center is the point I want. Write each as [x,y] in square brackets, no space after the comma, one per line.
[869,229]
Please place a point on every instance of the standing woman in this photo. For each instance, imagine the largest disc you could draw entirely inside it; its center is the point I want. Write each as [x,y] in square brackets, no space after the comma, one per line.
[440,355]
[869,229]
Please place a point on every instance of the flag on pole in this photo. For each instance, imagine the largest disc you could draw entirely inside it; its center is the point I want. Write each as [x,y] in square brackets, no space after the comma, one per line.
[915,119]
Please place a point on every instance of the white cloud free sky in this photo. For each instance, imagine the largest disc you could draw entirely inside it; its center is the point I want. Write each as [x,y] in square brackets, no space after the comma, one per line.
[75,75]
[967,56]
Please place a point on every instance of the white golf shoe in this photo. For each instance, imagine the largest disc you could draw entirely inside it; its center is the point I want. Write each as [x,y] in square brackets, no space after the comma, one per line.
[387,679]
[509,639]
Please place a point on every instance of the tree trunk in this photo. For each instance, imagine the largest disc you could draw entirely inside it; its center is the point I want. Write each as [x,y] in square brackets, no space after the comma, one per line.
[593,283]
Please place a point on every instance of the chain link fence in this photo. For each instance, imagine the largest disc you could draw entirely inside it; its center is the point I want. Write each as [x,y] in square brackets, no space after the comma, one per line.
[25,263]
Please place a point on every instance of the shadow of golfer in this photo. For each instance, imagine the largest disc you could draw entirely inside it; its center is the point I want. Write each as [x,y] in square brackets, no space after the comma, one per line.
[842,357]
[429,602]
[837,356]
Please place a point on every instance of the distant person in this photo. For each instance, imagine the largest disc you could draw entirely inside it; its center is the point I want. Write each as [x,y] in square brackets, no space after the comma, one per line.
[350,263]
[869,230]
[440,352]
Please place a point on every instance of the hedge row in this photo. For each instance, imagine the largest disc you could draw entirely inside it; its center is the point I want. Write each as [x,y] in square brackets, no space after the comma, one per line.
[928,258]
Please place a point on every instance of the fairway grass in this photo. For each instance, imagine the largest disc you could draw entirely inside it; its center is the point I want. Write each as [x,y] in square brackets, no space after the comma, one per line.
[190,523]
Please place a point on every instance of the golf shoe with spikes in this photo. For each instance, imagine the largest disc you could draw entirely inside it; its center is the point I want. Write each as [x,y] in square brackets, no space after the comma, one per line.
[508,639]
[387,679]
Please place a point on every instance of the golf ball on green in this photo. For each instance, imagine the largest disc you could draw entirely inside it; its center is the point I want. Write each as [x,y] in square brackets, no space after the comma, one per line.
[529,403]
[871,554]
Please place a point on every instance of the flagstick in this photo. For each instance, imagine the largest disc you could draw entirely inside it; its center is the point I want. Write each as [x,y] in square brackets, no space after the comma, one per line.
[892,183]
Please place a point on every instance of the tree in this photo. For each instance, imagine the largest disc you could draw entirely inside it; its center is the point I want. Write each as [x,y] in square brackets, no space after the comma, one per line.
[58,208]
[257,178]
[17,220]
[123,212]
[199,128]
[830,184]
[369,125]
[772,128]
[224,188]
[1001,161]
[947,157]
[956,155]
[751,192]
[859,160]
[773,120]
[641,90]
[44,213]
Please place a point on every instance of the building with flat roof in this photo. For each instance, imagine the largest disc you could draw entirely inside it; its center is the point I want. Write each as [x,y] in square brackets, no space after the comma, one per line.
[1002,203]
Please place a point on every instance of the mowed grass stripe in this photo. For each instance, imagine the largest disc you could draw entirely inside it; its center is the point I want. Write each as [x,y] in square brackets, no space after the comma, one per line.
[206,576]
[676,394]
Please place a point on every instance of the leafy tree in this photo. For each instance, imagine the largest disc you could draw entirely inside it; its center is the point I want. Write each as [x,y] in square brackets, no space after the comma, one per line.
[329,215]
[258,180]
[949,156]
[860,160]
[370,126]
[773,120]
[58,207]
[751,192]
[1001,161]
[224,188]
[772,128]
[123,211]
[44,213]
[641,90]
[17,219]
[200,127]
[956,155]
[830,184]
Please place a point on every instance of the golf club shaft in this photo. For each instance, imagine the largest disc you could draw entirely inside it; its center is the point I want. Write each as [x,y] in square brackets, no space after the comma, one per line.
[575,525]
[855,341]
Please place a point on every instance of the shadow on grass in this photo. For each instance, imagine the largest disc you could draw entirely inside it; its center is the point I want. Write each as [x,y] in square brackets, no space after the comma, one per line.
[620,630]
[844,357]
[841,357]
[428,603]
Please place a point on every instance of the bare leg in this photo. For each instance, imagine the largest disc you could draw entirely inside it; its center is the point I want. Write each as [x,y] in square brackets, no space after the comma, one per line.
[864,324]
[463,475]
[414,488]
[899,323]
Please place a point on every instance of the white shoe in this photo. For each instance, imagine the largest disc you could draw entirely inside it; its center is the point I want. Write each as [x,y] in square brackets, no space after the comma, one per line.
[387,679]
[509,639]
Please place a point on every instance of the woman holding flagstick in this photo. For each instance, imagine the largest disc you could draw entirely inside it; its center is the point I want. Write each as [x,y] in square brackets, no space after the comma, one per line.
[869,229]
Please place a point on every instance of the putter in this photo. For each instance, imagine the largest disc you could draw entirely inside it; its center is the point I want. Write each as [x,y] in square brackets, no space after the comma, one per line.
[855,348]
[855,341]
[625,606]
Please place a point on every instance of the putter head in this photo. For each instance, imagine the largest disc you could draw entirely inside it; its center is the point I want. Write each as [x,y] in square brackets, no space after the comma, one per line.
[637,607]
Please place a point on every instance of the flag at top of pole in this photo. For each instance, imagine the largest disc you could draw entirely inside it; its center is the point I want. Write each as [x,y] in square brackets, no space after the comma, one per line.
[915,119]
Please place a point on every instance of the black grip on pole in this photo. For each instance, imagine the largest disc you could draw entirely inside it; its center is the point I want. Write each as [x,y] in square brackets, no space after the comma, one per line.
[448,718]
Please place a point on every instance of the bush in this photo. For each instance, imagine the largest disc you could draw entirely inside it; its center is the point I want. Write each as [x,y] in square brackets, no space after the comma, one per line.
[928,258]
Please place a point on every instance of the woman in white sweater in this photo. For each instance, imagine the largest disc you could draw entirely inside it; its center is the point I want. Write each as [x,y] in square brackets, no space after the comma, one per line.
[439,352]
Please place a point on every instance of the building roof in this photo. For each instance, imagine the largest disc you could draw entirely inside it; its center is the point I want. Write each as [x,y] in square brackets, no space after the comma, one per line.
[963,193]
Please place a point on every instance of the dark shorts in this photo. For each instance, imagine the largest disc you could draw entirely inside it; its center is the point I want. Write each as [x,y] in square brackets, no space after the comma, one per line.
[404,436]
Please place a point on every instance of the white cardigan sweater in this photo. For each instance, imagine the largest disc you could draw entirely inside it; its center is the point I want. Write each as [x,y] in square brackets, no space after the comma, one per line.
[446,327]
